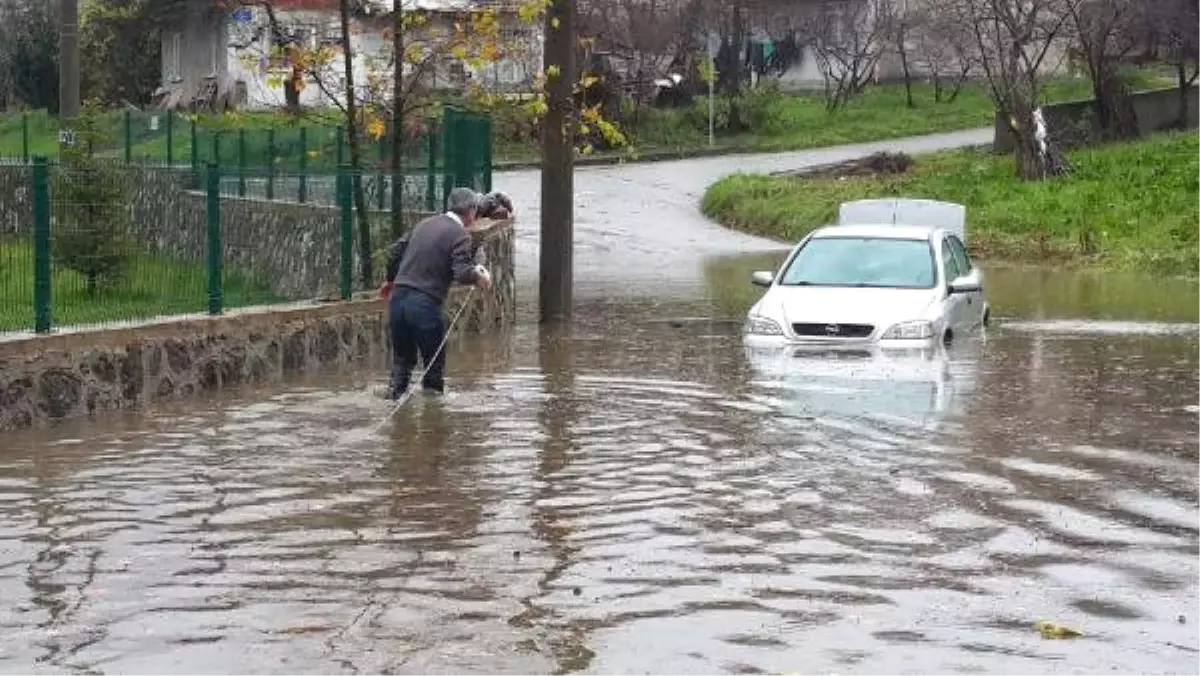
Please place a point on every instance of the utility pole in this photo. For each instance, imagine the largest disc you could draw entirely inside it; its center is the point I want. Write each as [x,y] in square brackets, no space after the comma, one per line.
[558,165]
[68,59]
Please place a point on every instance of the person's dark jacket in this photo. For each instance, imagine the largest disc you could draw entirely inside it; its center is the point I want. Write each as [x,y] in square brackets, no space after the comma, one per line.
[431,256]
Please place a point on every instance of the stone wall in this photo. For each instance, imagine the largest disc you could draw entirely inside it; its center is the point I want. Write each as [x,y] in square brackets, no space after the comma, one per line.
[1073,124]
[85,373]
[72,375]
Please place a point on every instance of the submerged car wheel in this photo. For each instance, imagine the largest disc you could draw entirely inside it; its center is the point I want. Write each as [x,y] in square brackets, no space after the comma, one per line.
[987,316]
[947,337]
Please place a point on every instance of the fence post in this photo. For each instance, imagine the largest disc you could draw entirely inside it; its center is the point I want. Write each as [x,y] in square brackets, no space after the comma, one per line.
[341,145]
[195,155]
[41,246]
[212,212]
[448,143]
[216,149]
[241,163]
[486,159]
[431,165]
[25,138]
[346,211]
[271,164]
[171,139]
[128,136]
[382,143]
[302,192]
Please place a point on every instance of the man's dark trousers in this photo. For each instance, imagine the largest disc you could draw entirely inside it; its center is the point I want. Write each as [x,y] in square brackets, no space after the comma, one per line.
[417,327]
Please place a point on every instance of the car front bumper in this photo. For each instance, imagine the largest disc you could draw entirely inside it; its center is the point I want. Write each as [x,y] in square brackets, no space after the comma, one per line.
[769,343]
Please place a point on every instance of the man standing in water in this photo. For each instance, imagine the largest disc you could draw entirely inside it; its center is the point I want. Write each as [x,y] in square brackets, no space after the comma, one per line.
[421,267]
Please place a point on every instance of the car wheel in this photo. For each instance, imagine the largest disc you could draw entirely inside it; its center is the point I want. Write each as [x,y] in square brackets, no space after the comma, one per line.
[987,316]
[947,337]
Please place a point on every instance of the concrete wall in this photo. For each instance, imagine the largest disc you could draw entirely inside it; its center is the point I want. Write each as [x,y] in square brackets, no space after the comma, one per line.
[1071,122]
[86,373]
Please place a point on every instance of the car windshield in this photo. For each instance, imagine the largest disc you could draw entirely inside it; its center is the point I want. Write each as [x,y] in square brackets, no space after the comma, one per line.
[863,261]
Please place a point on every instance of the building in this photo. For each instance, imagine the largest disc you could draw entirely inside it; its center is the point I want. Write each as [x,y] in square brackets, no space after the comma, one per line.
[243,57]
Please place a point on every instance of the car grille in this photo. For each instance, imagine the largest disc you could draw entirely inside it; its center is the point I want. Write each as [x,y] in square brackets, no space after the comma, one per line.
[833,330]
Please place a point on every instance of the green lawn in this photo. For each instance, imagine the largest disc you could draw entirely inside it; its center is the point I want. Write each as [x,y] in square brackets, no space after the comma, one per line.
[152,286]
[1131,206]
[775,122]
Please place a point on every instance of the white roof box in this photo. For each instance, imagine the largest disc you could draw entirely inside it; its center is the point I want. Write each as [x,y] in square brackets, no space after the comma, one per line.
[903,211]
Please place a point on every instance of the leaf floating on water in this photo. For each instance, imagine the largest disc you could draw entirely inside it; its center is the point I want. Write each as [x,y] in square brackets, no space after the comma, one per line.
[1050,629]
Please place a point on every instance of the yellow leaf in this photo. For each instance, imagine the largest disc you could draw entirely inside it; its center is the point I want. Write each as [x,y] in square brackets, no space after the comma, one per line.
[555,23]
[376,128]
[552,71]
[588,81]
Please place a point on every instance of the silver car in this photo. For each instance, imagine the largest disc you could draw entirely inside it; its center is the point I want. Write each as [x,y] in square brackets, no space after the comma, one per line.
[891,273]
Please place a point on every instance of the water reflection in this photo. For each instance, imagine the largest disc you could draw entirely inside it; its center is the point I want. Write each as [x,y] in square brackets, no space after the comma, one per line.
[634,494]
[907,387]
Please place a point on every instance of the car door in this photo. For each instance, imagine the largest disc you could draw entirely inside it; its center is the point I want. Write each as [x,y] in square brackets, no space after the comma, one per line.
[973,312]
[955,302]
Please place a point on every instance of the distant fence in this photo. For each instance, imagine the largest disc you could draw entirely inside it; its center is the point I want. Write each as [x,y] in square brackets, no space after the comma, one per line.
[1074,121]
[456,151]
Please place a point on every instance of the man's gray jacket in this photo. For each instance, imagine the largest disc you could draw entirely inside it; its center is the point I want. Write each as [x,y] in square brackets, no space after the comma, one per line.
[435,253]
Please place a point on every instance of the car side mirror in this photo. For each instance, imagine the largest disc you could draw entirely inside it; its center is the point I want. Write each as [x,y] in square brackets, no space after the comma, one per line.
[965,285]
[762,278]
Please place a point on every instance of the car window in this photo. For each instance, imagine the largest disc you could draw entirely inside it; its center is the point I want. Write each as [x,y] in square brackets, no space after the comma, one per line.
[960,254]
[949,266]
[863,261]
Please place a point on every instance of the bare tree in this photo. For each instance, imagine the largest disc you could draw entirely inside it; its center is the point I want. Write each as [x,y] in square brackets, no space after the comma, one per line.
[847,40]
[904,25]
[1015,38]
[1173,30]
[1106,32]
[945,49]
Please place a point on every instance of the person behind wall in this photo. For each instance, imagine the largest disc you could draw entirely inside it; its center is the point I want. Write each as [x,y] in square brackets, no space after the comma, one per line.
[421,267]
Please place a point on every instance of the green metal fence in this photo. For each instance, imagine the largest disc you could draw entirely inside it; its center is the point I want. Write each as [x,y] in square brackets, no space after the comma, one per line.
[455,151]
[102,238]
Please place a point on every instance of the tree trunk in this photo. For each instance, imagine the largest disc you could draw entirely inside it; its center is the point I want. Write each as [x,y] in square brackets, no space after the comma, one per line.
[352,137]
[1181,74]
[1031,163]
[1116,118]
[902,48]
[398,226]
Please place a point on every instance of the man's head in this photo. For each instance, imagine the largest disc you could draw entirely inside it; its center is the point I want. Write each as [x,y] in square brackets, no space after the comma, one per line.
[465,203]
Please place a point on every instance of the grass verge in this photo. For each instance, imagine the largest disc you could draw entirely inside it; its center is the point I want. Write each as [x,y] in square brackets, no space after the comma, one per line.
[1130,206]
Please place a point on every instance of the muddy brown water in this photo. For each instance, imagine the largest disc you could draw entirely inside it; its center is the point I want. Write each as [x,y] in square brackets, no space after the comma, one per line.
[637,495]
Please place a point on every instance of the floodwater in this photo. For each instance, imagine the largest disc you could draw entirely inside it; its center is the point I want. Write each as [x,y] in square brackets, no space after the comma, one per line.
[637,494]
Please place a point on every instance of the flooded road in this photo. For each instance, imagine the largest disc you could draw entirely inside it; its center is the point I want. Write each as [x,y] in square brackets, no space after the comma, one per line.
[636,494]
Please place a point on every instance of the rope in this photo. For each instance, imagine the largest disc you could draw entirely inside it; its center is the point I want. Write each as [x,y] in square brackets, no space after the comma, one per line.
[407,394]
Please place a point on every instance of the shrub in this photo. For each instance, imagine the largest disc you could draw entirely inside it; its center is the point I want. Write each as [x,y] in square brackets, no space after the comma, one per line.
[90,205]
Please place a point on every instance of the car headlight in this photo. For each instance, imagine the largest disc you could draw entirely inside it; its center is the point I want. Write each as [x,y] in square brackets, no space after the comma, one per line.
[761,326]
[909,331]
